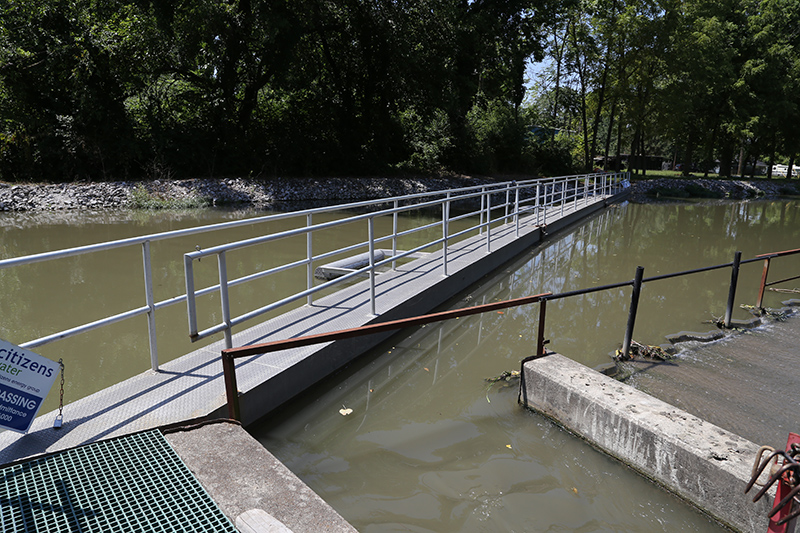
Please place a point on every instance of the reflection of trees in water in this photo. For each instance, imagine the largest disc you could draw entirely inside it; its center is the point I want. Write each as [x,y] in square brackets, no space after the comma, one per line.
[663,238]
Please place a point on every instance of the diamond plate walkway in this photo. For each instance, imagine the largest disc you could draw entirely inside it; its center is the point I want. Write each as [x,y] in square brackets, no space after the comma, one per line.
[192,386]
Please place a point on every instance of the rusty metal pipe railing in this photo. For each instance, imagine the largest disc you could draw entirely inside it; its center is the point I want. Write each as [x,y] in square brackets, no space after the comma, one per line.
[765,273]
[230,354]
[771,255]
[763,286]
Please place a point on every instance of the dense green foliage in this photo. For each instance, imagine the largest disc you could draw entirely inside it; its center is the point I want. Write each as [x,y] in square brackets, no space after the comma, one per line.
[118,88]
[701,83]
[129,88]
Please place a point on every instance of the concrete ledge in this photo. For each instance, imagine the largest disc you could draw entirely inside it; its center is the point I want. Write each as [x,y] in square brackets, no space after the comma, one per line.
[249,483]
[685,336]
[698,461]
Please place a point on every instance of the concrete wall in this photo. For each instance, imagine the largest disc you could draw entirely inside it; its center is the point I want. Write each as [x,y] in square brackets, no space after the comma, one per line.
[700,462]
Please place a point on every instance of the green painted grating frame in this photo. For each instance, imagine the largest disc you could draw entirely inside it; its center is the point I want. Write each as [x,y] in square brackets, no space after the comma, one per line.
[132,484]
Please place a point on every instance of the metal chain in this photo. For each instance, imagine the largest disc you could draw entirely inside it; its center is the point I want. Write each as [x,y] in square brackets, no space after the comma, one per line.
[59,421]
[61,396]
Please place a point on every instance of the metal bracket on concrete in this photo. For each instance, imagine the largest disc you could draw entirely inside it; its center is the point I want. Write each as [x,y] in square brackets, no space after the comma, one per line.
[522,397]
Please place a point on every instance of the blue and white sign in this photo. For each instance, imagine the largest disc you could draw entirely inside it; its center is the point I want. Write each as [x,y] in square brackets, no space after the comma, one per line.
[25,380]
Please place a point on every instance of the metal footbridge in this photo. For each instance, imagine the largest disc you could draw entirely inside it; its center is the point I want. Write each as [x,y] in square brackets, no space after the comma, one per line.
[480,229]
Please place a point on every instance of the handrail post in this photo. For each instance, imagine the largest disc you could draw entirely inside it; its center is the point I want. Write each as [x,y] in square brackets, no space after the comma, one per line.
[763,286]
[224,300]
[483,206]
[151,305]
[445,232]
[371,231]
[537,203]
[737,258]
[309,256]
[191,302]
[637,287]
[540,342]
[231,390]
[489,223]
[585,191]
[544,207]
[508,199]
[394,232]
[516,210]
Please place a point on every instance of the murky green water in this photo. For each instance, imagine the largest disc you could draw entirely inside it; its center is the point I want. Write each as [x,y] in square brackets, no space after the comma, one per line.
[44,298]
[428,446]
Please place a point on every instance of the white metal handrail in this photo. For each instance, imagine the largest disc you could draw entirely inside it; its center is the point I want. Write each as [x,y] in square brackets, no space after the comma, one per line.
[521,198]
[542,194]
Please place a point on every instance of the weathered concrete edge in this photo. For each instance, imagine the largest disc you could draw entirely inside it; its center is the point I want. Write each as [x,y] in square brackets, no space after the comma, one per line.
[240,474]
[701,463]
[258,400]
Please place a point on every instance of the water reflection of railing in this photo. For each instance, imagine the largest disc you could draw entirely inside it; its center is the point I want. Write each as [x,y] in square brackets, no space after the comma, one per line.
[522,202]
[533,198]
[229,355]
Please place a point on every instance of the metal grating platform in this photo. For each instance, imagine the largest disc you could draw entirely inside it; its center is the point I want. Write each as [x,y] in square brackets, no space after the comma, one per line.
[131,484]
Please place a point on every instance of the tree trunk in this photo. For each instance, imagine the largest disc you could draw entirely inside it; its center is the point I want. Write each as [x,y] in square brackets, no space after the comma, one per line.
[708,159]
[725,158]
[755,161]
[587,163]
[559,57]
[771,160]
[642,153]
[740,171]
[687,155]
[608,134]
[600,101]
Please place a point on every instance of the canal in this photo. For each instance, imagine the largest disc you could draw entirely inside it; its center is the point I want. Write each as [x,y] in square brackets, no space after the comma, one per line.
[430,445]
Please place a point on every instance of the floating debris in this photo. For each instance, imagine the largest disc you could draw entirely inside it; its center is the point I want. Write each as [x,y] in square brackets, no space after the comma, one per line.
[780,316]
[790,291]
[644,351]
[344,411]
[505,377]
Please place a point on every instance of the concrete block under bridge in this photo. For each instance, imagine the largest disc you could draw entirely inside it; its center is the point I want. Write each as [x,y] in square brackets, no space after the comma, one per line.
[698,461]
